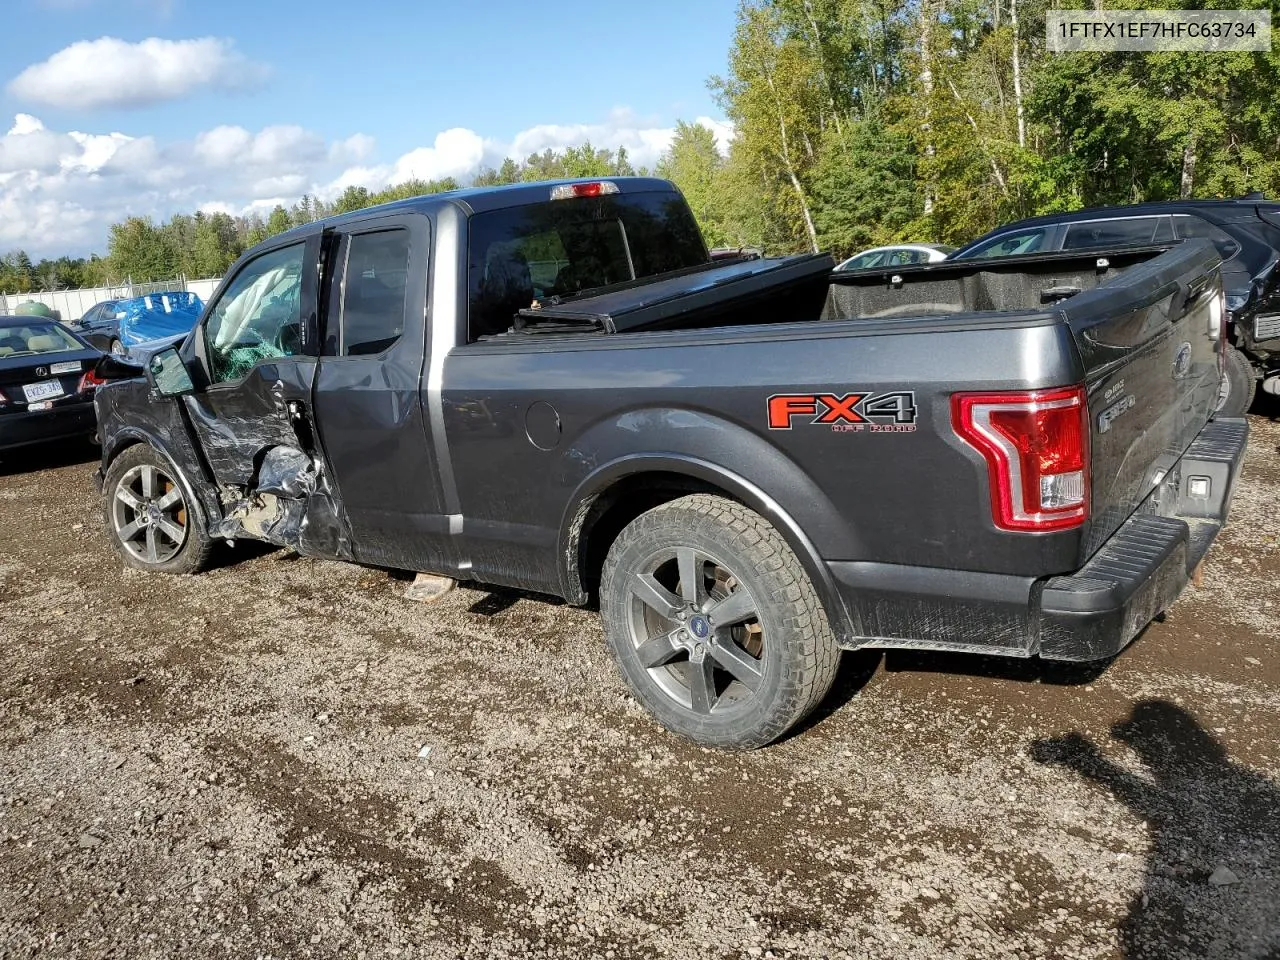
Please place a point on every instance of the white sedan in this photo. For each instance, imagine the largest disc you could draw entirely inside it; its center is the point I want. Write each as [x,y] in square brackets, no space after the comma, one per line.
[897,255]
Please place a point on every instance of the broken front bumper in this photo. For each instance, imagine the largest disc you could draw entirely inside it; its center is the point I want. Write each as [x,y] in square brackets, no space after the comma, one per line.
[1094,613]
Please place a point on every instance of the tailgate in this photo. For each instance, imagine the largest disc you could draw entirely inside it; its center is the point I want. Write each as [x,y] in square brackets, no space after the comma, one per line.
[1150,340]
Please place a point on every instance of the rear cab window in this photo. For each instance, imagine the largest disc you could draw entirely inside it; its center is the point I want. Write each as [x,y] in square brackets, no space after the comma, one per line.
[564,248]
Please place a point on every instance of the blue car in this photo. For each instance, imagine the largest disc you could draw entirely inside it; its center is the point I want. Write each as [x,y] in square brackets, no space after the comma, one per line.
[117,325]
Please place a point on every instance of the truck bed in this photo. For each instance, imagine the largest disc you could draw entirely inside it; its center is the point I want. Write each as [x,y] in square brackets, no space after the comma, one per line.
[805,288]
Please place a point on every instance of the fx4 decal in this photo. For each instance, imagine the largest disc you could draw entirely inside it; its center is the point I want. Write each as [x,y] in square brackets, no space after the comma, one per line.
[856,412]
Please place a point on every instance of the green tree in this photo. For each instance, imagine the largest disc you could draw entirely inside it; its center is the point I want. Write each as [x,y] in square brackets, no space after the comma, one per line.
[774,94]
[17,274]
[414,188]
[865,190]
[141,251]
[353,198]
[694,163]
[216,246]
[279,221]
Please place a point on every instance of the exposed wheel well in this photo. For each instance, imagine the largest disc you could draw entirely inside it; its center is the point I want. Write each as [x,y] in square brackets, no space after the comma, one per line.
[118,449]
[617,506]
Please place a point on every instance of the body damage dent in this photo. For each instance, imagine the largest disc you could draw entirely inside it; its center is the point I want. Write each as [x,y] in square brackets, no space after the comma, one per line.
[158,424]
[291,504]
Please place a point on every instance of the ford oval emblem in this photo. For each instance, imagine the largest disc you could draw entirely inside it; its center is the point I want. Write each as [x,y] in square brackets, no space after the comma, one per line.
[1182,361]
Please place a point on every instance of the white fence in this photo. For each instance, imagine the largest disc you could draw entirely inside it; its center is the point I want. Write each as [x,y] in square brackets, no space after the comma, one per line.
[71,305]
[204,288]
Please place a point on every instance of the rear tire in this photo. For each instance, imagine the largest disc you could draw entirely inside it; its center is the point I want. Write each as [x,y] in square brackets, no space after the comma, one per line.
[1239,382]
[153,523]
[714,623]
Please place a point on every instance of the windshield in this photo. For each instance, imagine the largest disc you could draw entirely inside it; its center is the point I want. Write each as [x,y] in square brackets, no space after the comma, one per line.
[46,336]
[562,248]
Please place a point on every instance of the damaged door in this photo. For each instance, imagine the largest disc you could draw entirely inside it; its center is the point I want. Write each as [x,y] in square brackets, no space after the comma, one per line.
[368,392]
[257,346]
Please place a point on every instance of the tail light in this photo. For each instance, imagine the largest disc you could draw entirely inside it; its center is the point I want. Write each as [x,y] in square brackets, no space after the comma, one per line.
[598,188]
[89,381]
[1036,445]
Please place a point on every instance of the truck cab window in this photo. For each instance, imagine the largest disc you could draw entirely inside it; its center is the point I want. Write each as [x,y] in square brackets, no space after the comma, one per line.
[373,291]
[565,248]
[259,315]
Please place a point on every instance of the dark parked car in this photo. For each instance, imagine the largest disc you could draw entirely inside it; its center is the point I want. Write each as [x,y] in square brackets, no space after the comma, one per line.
[118,325]
[1245,232]
[46,382]
[751,463]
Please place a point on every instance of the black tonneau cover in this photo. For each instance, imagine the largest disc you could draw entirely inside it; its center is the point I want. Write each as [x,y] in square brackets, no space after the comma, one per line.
[680,296]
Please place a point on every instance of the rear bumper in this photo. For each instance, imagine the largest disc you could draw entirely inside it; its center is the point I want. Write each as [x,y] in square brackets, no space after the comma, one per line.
[1140,571]
[1091,614]
[21,428]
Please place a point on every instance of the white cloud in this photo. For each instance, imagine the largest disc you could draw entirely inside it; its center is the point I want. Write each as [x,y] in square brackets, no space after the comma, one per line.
[455,153]
[722,129]
[29,146]
[354,149]
[223,145]
[61,191]
[644,142]
[270,147]
[108,72]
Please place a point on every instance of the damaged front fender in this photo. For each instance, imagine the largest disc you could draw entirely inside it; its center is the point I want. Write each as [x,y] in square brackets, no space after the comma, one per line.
[290,503]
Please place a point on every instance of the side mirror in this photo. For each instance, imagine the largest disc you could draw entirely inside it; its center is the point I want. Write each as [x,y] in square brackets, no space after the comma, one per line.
[112,367]
[168,374]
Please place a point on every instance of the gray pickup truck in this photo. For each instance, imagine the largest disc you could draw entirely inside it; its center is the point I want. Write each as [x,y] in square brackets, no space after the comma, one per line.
[750,464]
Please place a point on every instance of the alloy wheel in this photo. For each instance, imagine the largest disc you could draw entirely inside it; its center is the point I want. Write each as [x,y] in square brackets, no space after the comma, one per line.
[149,514]
[696,630]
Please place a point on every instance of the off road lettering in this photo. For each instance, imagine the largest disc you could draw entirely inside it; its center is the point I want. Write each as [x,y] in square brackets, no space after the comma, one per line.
[847,412]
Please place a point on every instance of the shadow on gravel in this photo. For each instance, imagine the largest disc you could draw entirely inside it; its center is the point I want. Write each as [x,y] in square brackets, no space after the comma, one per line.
[51,456]
[1265,405]
[856,669]
[1031,670]
[226,555]
[1212,884]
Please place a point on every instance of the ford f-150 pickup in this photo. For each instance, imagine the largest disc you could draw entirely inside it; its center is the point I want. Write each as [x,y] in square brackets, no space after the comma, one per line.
[750,464]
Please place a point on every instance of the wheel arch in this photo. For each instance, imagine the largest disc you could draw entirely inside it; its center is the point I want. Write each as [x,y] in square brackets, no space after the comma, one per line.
[619,491]
[130,437]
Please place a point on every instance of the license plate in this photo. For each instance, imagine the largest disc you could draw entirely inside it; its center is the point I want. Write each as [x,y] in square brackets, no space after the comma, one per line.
[41,391]
[66,366]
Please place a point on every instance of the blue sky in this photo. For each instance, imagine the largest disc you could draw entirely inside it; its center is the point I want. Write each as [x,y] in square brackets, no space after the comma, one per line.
[117,107]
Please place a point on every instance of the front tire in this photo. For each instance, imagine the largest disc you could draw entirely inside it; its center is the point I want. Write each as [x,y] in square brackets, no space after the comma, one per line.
[117,348]
[714,624]
[154,525]
[1239,382]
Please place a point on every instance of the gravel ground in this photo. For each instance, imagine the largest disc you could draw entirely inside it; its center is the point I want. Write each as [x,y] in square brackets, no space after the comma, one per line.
[236,765]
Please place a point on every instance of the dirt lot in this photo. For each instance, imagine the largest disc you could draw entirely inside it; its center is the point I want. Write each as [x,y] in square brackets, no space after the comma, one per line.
[229,765]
